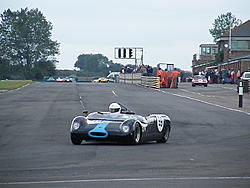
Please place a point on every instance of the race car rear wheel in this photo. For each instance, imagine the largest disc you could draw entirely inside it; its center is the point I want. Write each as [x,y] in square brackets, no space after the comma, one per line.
[136,135]
[165,134]
[75,139]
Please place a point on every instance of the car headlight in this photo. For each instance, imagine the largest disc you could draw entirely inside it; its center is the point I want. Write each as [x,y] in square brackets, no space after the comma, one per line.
[125,128]
[76,125]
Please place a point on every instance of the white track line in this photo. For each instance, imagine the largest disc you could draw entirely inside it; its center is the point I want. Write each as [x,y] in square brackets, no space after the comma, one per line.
[128,179]
[114,93]
[81,102]
[212,104]
[217,105]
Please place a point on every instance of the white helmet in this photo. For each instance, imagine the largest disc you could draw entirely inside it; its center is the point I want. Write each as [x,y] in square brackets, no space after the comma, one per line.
[114,107]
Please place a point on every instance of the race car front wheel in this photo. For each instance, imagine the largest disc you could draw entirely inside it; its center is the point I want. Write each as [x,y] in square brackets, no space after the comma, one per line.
[75,139]
[136,135]
[165,135]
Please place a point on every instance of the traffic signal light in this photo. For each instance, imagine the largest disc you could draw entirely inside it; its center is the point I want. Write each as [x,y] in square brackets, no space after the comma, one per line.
[124,52]
[130,52]
[119,52]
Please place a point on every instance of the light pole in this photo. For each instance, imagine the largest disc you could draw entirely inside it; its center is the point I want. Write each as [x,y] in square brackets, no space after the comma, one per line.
[230,40]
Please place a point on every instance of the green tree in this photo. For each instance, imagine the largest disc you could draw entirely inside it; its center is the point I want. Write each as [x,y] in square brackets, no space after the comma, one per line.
[223,23]
[25,40]
[5,69]
[96,65]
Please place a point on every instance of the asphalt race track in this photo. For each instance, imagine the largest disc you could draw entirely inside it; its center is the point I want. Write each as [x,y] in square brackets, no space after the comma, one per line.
[208,145]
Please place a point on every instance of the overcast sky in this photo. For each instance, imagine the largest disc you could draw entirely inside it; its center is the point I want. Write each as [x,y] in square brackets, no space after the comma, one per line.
[168,30]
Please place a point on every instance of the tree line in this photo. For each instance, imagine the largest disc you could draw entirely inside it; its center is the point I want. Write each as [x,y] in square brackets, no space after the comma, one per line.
[28,52]
[26,48]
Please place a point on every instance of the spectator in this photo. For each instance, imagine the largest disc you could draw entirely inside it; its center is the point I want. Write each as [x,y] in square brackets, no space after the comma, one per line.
[160,75]
[174,78]
[149,70]
[232,76]
[165,78]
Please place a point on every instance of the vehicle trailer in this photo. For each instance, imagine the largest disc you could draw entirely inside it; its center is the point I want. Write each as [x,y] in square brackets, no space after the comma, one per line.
[166,67]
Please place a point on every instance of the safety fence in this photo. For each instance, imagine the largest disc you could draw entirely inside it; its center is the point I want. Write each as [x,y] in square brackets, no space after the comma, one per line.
[150,81]
[137,78]
[130,78]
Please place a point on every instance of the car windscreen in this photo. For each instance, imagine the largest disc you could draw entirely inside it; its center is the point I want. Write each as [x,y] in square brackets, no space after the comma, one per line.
[247,75]
[199,77]
[106,116]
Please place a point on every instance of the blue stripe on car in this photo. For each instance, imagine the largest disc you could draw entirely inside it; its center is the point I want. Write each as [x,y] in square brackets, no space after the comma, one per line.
[139,118]
[100,128]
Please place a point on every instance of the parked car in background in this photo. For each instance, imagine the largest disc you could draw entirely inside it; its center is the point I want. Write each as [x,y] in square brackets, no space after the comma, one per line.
[67,79]
[199,80]
[112,76]
[101,80]
[50,79]
[245,76]
[227,81]
[59,80]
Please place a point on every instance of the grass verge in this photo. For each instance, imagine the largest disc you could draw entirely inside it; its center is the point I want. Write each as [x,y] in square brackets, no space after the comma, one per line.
[6,85]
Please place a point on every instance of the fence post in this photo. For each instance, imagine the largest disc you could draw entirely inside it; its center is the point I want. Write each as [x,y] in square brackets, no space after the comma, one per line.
[158,83]
[240,94]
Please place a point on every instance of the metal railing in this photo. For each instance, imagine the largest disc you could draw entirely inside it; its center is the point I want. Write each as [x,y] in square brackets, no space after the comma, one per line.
[149,81]
[137,78]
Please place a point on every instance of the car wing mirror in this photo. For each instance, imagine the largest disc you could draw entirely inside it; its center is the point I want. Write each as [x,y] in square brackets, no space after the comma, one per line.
[85,112]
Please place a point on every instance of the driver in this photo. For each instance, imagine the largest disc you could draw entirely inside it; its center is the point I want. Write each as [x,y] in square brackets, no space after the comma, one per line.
[114,107]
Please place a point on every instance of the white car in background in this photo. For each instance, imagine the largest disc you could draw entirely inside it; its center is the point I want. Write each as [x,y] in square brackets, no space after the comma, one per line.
[245,76]
[199,80]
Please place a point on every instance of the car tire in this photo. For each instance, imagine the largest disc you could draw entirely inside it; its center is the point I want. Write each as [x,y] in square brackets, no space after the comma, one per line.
[136,135]
[193,85]
[75,139]
[165,134]
[205,85]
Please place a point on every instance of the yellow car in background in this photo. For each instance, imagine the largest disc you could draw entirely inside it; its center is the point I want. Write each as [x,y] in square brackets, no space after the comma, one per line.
[101,80]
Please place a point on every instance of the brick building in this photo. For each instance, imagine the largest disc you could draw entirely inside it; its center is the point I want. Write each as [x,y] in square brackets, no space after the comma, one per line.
[206,57]
[234,48]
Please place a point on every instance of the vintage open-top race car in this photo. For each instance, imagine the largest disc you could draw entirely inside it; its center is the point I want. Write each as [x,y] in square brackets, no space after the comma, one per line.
[121,125]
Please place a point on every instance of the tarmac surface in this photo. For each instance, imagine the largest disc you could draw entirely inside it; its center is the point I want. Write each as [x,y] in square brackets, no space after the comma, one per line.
[224,95]
[208,145]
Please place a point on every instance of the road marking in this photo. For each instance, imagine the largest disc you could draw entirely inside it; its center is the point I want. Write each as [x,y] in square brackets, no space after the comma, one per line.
[193,92]
[196,93]
[217,105]
[81,102]
[223,87]
[114,93]
[127,179]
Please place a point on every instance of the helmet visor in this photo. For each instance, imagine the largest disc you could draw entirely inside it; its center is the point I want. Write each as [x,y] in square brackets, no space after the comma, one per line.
[112,110]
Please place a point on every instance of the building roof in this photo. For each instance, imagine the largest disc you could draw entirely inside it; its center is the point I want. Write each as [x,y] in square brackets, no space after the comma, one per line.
[242,30]
[203,64]
[244,57]
[213,45]
[241,57]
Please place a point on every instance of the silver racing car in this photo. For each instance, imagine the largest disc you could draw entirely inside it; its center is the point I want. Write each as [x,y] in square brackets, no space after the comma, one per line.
[120,125]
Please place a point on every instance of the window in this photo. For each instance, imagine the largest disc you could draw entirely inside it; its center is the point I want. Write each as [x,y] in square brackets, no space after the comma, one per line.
[203,50]
[206,50]
[214,51]
[240,45]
